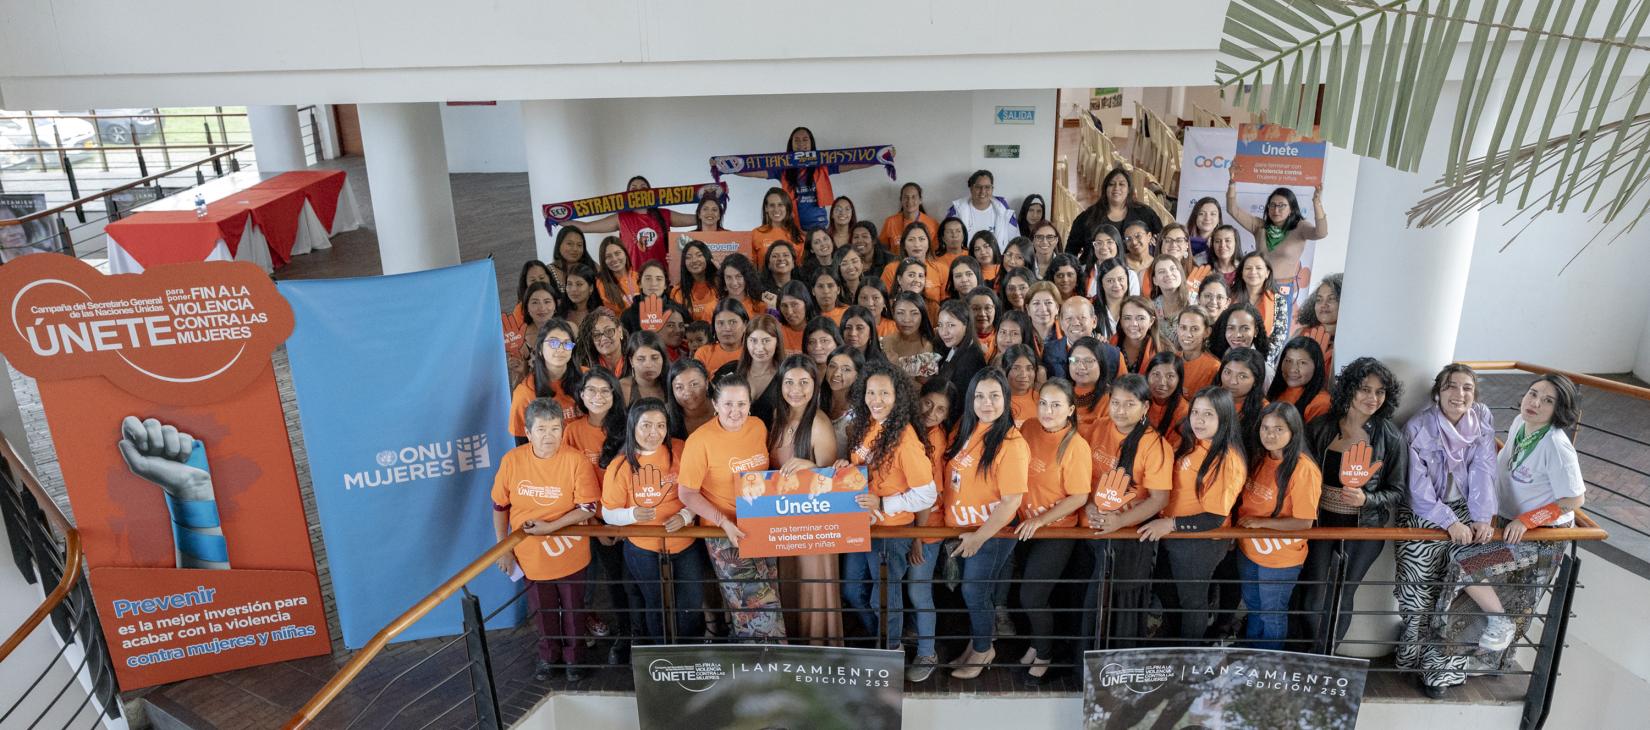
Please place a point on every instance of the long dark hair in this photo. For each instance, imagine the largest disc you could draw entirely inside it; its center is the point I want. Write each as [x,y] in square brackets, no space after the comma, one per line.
[1136,386]
[646,340]
[873,344]
[1313,386]
[791,227]
[797,290]
[607,282]
[1249,417]
[754,282]
[1025,207]
[613,423]
[1166,423]
[1012,353]
[521,280]
[971,336]
[1108,372]
[1288,196]
[802,442]
[948,390]
[673,409]
[593,301]
[687,282]
[1307,312]
[995,434]
[1191,220]
[1217,332]
[570,378]
[638,409]
[1070,392]
[1291,452]
[1240,288]
[1226,440]
[925,329]
[969,262]
[1102,307]
[699,225]
[584,253]
[538,286]
[902,416]
[1028,332]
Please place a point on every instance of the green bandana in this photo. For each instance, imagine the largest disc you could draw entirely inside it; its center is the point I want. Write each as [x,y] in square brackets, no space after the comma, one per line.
[1523,445]
[1274,236]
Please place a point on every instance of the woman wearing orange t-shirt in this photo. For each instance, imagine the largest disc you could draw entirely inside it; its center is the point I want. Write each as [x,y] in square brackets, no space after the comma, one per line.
[777,224]
[986,467]
[1318,316]
[521,326]
[796,307]
[1209,472]
[1137,334]
[601,342]
[1282,494]
[640,489]
[1021,366]
[554,375]
[1057,485]
[1241,373]
[729,323]
[1302,378]
[696,284]
[884,440]
[712,459]
[983,248]
[910,212]
[934,412]
[596,435]
[541,488]
[1091,374]
[1254,284]
[1165,375]
[1191,332]
[617,280]
[1131,485]
[800,437]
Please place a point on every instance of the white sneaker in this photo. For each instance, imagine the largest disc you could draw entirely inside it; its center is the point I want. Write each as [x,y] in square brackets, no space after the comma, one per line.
[1498,633]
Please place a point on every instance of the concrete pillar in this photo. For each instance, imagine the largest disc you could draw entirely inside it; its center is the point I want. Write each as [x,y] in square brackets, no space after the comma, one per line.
[276,140]
[412,200]
[563,163]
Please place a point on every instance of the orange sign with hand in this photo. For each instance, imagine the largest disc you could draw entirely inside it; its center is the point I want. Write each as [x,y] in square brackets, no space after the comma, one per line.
[649,489]
[1356,471]
[1113,490]
[652,314]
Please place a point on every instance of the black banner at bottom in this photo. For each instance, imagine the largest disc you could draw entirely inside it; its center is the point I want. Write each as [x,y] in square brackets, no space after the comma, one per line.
[1230,689]
[760,686]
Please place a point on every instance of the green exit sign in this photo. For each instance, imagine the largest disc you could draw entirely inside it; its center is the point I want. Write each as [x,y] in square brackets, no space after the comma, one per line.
[1005,151]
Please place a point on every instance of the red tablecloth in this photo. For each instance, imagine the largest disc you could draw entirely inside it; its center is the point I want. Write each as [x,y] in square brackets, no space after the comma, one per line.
[166,237]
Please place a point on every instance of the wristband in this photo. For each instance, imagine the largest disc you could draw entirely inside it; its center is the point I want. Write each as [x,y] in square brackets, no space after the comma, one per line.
[191,515]
[1541,515]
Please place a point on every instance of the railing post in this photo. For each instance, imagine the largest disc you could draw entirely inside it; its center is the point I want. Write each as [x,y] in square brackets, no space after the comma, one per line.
[1330,613]
[1538,696]
[481,664]
[212,149]
[667,598]
[165,149]
[1102,622]
[882,600]
[137,146]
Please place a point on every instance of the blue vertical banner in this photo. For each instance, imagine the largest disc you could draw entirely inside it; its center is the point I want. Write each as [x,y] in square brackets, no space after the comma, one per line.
[404,401]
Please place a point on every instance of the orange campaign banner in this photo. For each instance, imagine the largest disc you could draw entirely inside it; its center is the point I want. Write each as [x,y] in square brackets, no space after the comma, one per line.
[1277,156]
[163,409]
[720,243]
[811,512]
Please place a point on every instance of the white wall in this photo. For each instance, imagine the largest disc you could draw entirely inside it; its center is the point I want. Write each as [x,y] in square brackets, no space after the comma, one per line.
[484,138]
[939,139]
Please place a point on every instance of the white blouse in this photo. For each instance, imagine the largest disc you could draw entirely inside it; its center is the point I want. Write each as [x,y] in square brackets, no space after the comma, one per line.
[1551,473]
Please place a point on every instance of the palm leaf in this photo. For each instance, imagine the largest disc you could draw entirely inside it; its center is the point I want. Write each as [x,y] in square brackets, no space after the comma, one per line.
[1380,99]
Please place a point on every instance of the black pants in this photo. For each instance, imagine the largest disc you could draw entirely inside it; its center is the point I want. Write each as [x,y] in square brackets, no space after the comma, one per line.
[1186,566]
[1045,561]
[1315,591]
[607,562]
[1129,592]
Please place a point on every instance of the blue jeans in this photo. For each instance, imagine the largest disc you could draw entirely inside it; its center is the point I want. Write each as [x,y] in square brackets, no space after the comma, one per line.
[921,590]
[979,574]
[689,570]
[862,584]
[1267,625]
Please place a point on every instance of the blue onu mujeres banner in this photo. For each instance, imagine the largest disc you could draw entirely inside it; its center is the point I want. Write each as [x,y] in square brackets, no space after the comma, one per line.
[404,400]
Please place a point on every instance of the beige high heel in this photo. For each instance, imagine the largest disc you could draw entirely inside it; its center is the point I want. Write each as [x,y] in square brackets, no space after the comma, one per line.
[973,664]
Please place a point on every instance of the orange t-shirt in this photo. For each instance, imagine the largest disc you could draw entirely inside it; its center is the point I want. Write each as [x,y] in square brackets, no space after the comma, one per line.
[1326,341]
[1154,414]
[1318,406]
[1151,469]
[1260,493]
[713,356]
[933,290]
[1023,406]
[936,456]
[701,305]
[515,332]
[971,495]
[835,315]
[894,226]
[1268,306]
[1199,373]
[1054,476]
[620,486]
[523,394]
[543,490]
[907,468]
[1220,492]
[793,339]
[585,437]
[1088,417]
[763,237]
[714,456]
[886,326]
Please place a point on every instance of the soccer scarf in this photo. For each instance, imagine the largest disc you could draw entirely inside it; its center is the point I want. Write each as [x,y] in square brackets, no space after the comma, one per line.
[766,162]
[556,213]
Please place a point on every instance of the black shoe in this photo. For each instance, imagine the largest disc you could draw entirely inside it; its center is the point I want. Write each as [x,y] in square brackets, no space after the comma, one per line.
[1433,691]
[576,674]
[618,655]
[543,671]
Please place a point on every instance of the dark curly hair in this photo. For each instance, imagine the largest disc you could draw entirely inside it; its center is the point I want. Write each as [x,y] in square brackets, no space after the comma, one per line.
[1352,376]
[1217,333]
[903,415]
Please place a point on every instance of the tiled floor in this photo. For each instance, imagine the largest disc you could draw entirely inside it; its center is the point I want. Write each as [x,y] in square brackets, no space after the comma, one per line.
[494,219]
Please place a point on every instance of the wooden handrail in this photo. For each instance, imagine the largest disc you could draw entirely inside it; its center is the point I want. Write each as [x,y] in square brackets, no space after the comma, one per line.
[122,188]
[1591,381]
[72,558]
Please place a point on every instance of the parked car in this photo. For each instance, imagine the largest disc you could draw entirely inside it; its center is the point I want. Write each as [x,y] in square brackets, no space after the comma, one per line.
[116,126]
[17,142]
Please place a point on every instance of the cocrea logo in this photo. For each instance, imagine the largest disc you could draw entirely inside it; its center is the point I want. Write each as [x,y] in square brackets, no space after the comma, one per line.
[691,677]
[423,461]
[1139,680]
[1218,162]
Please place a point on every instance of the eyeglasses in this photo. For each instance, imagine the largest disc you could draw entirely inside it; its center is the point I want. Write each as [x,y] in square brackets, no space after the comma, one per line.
[1278,206]
[592,390]
[557,343]
[1177,239]
[605,332]
[1046,239]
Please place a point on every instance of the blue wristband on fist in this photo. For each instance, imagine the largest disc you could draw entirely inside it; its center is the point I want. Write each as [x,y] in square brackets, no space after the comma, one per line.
[191,515]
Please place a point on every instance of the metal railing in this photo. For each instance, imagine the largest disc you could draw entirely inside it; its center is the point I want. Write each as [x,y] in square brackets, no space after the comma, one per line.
[126,177]
[46,551]
[1545,627]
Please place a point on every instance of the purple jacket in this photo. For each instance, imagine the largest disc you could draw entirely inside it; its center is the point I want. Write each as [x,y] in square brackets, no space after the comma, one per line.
[1439,449]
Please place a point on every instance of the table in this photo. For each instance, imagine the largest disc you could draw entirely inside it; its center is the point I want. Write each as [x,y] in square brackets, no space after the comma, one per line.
[263,218]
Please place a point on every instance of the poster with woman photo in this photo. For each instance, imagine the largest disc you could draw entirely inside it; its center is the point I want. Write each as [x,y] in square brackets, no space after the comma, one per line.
[1220,688]
[35,236]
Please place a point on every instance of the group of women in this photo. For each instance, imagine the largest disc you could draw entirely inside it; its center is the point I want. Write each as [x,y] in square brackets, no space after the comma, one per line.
[1139,379]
